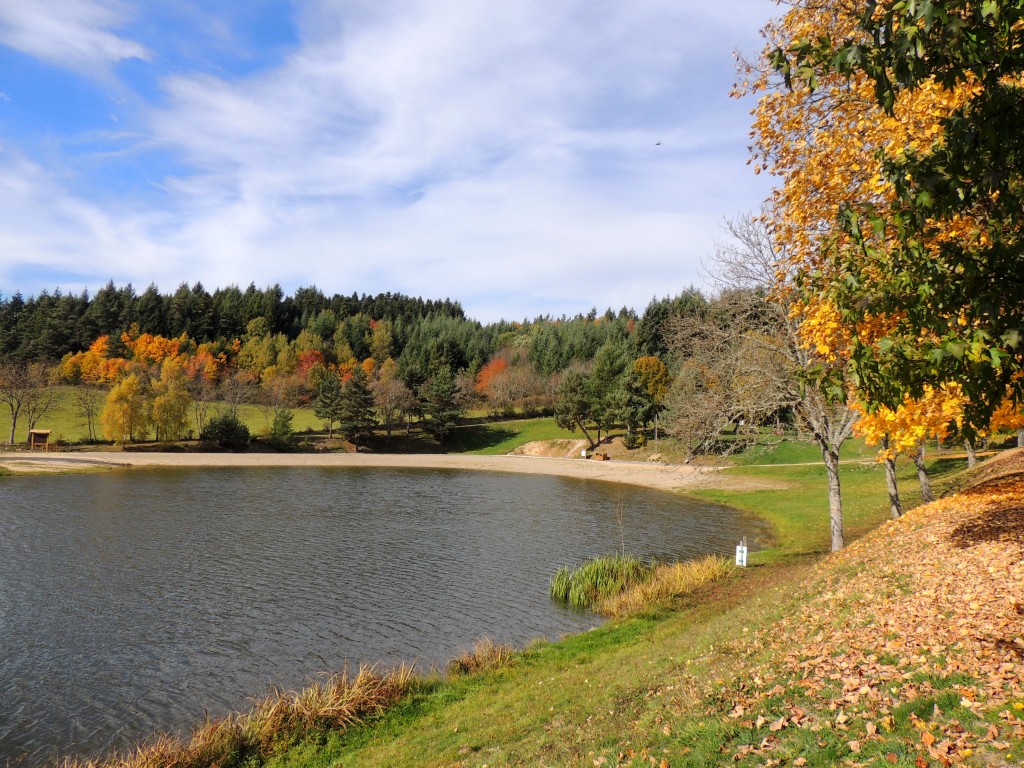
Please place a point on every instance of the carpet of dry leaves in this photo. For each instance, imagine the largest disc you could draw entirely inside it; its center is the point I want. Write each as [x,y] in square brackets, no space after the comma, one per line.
[910,650]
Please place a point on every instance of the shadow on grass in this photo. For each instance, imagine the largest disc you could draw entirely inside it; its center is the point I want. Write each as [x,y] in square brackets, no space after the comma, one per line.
[474,437]
[1003,522]
[479,437]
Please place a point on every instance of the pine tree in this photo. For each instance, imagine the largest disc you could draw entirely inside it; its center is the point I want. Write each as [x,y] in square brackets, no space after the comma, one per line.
[282,433]
[443,408]
[328,400]
[355,410]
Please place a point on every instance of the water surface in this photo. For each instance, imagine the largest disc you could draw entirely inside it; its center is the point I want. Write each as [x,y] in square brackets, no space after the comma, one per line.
[135,601]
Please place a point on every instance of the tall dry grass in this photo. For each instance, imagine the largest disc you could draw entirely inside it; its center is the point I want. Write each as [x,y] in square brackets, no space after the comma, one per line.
[485,655]
[272,724]
[667,583]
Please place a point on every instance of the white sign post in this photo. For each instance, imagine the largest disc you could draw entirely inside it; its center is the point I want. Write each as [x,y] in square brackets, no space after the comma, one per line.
[741,553]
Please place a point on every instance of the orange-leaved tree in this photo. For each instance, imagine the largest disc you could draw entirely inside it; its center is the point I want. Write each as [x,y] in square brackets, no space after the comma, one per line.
[827,141]
[940,253]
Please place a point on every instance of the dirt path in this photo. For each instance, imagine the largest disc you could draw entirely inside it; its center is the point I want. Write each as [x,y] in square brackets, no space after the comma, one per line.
[648,475]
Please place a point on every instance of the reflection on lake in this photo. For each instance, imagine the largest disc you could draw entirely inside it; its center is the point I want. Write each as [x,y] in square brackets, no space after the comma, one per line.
[135,601]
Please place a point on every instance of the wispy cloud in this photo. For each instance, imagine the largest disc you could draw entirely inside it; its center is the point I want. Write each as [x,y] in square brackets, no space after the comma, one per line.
[77,34]
[523,157]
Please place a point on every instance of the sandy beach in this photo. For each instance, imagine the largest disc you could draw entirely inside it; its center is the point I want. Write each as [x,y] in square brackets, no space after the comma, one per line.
[649,475]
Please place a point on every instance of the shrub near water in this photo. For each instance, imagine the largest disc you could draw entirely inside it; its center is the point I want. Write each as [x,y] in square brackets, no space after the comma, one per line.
[227,431]
[485,655]
[598,579]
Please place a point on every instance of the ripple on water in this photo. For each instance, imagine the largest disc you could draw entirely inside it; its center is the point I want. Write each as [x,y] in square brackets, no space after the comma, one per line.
[132,602]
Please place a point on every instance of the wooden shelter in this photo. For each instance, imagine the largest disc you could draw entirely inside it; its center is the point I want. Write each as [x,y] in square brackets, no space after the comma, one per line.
[39,438]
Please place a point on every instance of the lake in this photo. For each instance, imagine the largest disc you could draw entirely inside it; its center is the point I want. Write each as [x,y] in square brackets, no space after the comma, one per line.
[136,601]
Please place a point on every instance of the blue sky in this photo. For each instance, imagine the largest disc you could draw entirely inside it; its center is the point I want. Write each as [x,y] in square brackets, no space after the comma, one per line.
[535,157]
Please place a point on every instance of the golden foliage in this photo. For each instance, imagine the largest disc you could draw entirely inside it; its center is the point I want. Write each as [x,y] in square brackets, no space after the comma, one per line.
[935,414]
[124,413]
[827,148]
[152,349]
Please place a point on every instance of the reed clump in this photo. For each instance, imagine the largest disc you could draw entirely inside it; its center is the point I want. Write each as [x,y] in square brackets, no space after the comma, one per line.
[597,580]
[274,723]
[485,655]
[667,583]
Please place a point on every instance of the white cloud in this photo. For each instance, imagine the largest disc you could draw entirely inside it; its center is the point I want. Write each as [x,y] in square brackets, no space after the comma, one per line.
[77,34]
[57,233]
[502,155]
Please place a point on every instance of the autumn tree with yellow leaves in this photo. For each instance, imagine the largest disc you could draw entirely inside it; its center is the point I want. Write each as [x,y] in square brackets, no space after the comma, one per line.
[893,129]
[124,415]
[918,228]
[904,430]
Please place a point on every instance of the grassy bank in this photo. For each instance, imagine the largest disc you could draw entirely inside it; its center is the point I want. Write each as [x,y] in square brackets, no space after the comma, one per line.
[795,500]
[486,438]
[68,426]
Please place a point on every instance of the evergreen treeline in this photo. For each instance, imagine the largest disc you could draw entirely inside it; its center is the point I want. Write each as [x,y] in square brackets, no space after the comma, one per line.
[48,326]
[421,335]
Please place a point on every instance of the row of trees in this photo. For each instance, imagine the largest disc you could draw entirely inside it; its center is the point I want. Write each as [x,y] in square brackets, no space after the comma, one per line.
[48,326]
[421,334]
[140,384]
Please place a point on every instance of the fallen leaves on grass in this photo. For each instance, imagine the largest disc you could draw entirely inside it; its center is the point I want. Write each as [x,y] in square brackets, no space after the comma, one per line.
[911,641]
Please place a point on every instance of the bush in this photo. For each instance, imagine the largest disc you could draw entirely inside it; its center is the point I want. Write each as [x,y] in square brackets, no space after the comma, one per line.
[634,439]
[227,431]
[485,655]
[616,586]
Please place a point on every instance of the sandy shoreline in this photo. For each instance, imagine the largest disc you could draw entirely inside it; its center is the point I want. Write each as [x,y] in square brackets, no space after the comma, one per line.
[659,476]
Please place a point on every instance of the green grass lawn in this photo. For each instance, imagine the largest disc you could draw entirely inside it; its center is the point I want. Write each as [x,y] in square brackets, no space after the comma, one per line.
[494,437]
[798,510]
[68,426]
[499,437]
[791,451]
[62,419]
[259,420]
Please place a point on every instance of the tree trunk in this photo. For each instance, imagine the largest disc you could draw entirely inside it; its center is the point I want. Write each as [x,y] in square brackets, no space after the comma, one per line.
[922,475]
[835,498]
[972,457]
[590,440]
[1020,438]
[895,509]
